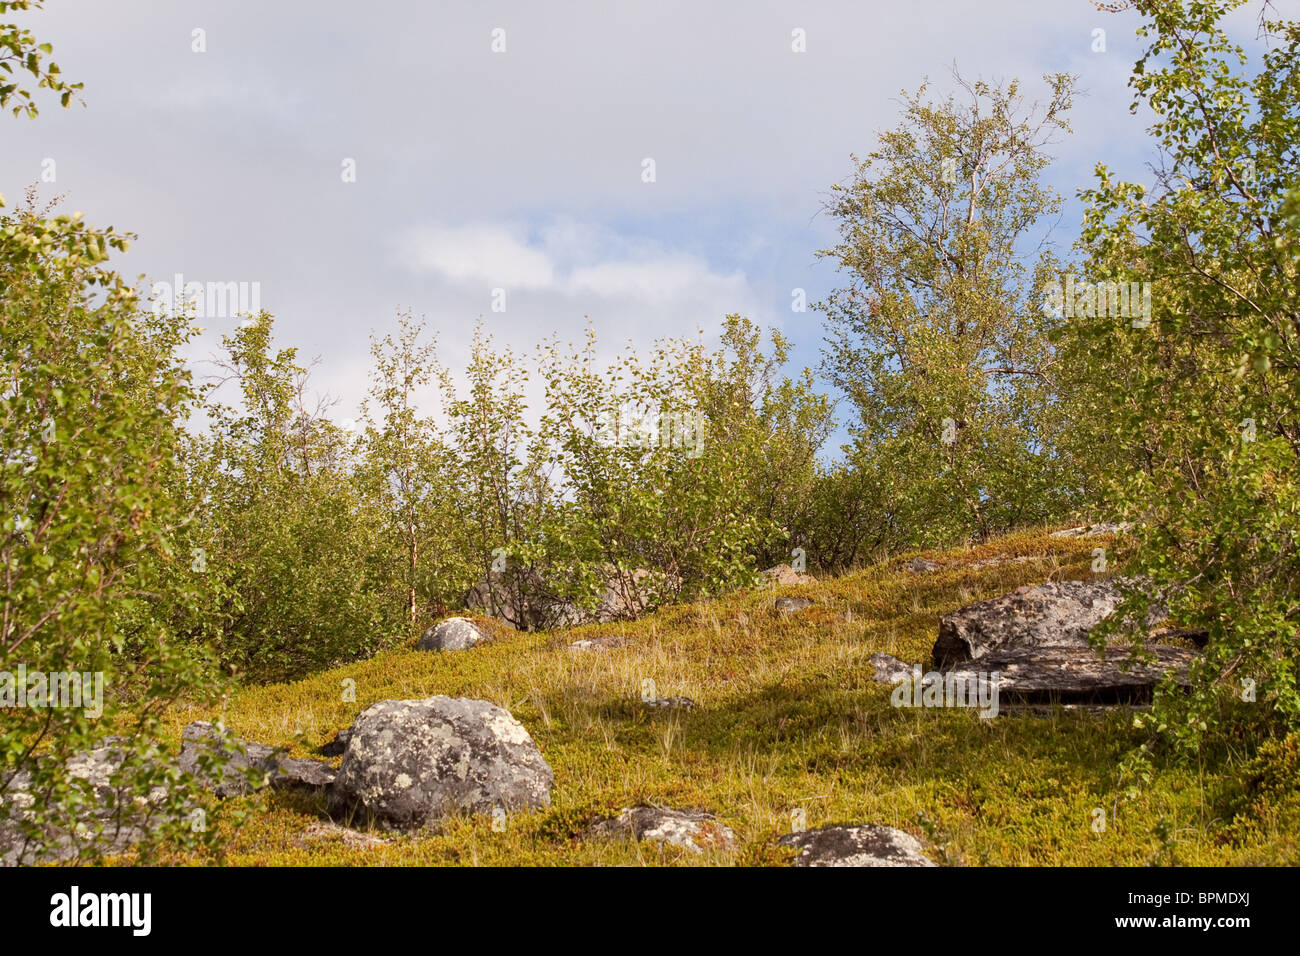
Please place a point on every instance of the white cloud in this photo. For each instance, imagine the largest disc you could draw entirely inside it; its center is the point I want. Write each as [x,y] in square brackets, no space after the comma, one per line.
[489,254]
[573,260]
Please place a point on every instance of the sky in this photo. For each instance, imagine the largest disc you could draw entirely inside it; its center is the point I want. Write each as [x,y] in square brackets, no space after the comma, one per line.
[354,160]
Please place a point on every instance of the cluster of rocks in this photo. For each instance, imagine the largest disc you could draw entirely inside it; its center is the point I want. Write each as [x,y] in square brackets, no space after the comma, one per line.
[696,830]
[1037,640]
[114,831]
[406,764]
[523,598]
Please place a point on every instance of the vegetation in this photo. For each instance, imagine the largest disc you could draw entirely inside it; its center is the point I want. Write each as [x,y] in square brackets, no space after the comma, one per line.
[196,544]
[787,717]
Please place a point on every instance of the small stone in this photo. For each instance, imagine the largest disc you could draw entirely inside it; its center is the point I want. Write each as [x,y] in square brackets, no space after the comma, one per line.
[791,605]
[692,830]
[922,565]
[598,643]
[889,669]
[866,845]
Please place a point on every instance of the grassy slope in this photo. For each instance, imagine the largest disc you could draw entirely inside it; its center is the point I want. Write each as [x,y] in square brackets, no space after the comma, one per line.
[787,716]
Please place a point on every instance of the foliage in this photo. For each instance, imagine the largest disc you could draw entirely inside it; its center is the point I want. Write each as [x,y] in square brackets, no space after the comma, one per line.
[1194,421]
[92,392]
[938,340]
[19,49]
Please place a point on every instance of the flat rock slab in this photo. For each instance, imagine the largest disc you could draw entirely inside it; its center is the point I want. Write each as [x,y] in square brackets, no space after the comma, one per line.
[410,762]
[791,605]
[598,643]
[249,766]
[692,830]
[1069,675]
[1053,614]
[453,634]
[856,846]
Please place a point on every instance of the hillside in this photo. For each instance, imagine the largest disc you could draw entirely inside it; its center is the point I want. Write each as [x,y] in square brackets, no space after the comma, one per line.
[786,716]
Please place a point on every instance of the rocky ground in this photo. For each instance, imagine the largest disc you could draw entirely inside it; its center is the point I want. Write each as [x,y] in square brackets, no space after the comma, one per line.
[803,722]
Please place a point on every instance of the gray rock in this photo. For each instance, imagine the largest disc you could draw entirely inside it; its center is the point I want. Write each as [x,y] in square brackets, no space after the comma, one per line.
[1077,676]
[107,829]
[855,846]
[453,634]
[889,669]
[248,766]
[598,643]
[922,565]
[1054,614]
[784,574]
[522,598]
[527,601]
[410,762]
[1036,640]
[1092,530]
[692,830]
[791,605]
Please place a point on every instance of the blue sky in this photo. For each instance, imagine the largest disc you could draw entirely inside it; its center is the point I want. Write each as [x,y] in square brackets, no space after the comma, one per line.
[520,170]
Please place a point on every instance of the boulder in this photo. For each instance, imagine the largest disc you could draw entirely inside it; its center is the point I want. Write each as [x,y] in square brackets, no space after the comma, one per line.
[1054,614]
[692,830]
[410,762]
[1035,640]
[522,598]
[791,605]
[453,634]
[855,846]
[1077,675]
